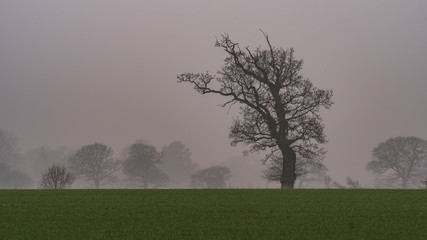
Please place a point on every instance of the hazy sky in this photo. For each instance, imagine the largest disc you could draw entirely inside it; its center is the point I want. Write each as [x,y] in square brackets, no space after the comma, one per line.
[76,72]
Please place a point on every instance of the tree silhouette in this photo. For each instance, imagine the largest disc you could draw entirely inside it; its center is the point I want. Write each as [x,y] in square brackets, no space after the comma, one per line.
[56,177]
[279,106]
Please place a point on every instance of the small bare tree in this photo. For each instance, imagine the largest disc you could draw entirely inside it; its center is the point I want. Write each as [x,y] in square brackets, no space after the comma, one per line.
[56,177]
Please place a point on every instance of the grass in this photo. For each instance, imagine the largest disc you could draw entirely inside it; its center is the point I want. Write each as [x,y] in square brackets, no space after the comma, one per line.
[213,214]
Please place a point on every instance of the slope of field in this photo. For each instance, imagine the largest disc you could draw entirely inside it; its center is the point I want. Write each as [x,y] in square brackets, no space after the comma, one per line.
[213,214]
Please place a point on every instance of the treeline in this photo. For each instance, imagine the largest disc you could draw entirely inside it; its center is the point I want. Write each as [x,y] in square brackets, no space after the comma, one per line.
[399,162]
[139,165]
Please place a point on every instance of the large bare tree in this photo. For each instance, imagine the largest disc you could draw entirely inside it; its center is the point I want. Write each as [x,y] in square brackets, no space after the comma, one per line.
[94,162]
[400,160]
[279,106]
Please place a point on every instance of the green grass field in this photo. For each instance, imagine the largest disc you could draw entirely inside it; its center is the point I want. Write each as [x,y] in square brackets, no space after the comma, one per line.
[213,214]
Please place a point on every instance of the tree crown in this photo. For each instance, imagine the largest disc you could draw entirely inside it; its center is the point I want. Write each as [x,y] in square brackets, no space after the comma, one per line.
[277,103]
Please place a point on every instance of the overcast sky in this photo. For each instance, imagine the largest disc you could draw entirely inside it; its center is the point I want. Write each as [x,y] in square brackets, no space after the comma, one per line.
[78,72]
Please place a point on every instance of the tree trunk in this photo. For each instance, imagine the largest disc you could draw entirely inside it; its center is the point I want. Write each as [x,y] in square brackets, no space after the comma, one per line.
[285,185]
[288,171]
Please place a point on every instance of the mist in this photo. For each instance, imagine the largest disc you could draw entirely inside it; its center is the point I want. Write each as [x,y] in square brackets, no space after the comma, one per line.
[81,72]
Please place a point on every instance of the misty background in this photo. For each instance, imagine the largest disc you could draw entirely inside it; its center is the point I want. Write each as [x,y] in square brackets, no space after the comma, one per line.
[78,72]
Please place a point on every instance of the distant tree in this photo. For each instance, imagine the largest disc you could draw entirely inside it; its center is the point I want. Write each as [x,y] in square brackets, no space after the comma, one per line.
[12,179]
[280,107]
[140,165]
[177,164]
[56,177]
[212,177]
[93,162]
[400,160]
